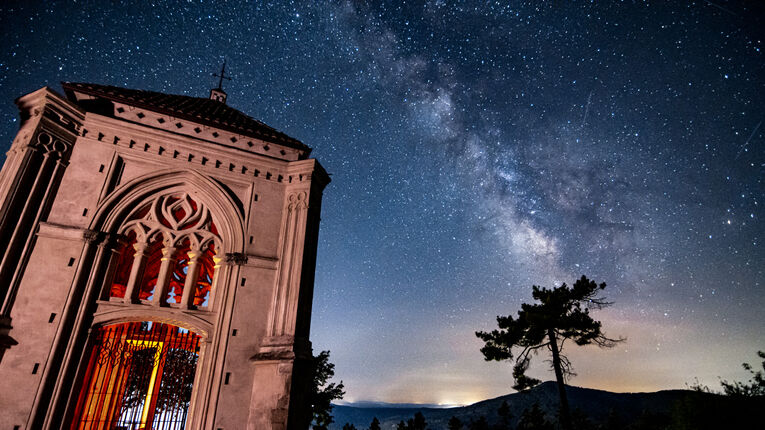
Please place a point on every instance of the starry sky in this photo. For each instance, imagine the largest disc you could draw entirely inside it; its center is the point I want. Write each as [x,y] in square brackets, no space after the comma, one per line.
[477,148]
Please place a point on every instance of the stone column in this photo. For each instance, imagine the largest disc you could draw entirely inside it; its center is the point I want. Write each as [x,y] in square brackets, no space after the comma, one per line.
[30,238]
[217,260]
[282,320]
[165,271]
[192,274]
[114,243]
[23,229]
[136,272]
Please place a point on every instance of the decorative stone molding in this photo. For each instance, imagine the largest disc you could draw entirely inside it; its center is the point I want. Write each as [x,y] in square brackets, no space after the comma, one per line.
[262,262]
[62,120]
[51,145]
[176,217]
[297,200]
[116,312]
[292,242]
[173,181]
[285,347]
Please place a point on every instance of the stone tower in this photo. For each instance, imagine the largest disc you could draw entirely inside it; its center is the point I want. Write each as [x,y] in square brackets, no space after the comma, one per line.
[158,256]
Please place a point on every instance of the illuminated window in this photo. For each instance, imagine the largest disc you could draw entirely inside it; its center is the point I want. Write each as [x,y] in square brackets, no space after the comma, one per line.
[206,263]
[139,376]
[171,244]
[180,272]
[125,257]
[153,256]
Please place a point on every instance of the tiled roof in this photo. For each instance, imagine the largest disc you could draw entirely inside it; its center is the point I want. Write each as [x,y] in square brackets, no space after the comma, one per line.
[201,110]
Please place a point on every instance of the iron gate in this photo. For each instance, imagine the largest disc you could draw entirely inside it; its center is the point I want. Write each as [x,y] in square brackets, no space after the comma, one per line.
[139,377]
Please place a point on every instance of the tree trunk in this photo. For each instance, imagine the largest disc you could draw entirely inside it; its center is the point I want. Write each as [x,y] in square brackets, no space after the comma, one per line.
[565,415]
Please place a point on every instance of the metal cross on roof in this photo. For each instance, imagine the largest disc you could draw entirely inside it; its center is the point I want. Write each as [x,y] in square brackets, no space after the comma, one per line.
[222,76]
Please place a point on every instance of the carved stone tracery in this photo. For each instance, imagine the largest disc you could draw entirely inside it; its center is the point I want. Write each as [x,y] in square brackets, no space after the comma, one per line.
[51,145]
[297,200]
[177,249]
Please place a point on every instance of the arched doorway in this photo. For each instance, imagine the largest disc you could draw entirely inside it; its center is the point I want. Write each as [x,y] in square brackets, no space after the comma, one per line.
[139,376]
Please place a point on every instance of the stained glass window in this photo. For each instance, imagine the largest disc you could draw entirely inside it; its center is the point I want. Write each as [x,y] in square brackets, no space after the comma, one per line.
[206,264]
[124,264]
[175,225]
[179,274]
[153,258]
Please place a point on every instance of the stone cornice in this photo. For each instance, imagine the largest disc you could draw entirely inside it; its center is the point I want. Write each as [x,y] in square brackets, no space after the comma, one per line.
[281,348]
[163,146]
[154,136]
[46,107]
[45,96]
[312,168]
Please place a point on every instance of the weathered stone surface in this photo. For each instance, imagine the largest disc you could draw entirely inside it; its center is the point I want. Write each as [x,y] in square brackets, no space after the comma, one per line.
[71,193]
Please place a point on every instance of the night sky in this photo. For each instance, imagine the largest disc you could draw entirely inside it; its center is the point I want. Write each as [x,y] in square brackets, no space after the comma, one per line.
[477,149]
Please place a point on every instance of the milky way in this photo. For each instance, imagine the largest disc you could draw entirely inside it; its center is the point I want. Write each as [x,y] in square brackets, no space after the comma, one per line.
[477,149]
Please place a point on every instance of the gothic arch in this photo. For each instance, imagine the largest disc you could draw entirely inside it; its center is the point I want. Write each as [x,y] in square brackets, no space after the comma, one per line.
[191,217]
[112,212]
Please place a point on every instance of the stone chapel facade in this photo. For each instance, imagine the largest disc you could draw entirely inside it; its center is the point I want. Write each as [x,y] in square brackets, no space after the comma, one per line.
[157,265]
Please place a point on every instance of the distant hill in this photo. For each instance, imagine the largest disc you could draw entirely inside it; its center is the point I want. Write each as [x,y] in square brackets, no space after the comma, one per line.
[603,409]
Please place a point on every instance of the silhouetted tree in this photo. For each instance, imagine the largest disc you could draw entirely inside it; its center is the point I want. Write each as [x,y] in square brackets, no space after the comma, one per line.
[534,419]
[349,426]
[755,386]
[561,314]
[707,409]
[375,424]
[418,423]
[323,393]
[480,424]
[504,416]
[698,387]
[454,423]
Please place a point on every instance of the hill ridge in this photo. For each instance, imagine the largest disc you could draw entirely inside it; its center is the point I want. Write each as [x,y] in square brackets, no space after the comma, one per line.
[597,405]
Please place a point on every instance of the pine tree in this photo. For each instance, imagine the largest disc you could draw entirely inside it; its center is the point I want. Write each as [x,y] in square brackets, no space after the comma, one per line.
[375,424]
[561,314]
[418,423]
